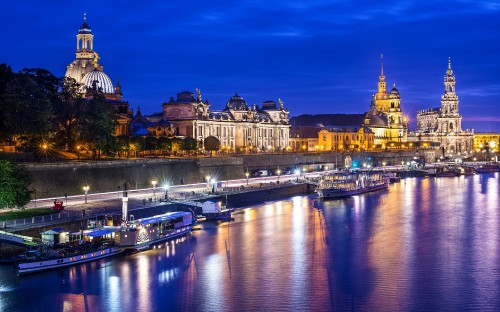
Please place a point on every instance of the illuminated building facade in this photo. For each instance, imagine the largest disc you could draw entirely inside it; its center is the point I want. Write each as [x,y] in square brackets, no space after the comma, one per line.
[303,138]
[444,124]
[340,139]
[86,70]
[238,126]
[385,118]
[486,142]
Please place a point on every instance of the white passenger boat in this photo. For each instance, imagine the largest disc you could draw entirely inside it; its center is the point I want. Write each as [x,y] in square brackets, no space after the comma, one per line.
[69,249]
[343,184]
[143,233]
[63,249]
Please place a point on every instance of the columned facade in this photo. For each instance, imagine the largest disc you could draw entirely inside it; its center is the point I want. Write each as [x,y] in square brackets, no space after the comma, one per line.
[238,126]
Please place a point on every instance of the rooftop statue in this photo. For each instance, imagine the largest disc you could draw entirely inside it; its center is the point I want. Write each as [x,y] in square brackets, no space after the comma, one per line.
[96,58]
[198,92]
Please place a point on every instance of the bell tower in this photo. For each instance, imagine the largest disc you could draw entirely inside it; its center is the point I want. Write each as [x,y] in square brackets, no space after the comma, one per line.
[449,100]
[381,97]
[449,119]
[382,88]
[84,41]
[86,58]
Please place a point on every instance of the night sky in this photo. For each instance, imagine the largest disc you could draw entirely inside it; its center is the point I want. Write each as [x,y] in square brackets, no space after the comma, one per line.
[317,56]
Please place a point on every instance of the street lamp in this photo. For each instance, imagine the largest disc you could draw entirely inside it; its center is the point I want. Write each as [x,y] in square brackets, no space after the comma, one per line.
[278,172]
[207,178]
[86,190]
[213,185]
[165,188]
[154,187]
[78,151]
[297,172]
[247,174]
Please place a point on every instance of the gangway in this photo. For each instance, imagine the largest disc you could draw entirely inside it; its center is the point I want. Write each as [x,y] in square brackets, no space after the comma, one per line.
[18,240]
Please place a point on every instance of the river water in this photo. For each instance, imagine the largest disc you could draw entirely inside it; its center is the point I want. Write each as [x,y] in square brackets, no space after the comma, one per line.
[427,244]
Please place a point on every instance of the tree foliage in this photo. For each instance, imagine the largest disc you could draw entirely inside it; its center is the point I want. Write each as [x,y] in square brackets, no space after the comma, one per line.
[36,106]
[98,124]
[27,103]
[190,144]
[211,143]
[70,109]
[14,183]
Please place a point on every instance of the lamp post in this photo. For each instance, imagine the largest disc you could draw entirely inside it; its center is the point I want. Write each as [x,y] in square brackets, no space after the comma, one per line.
[154,187]
[297,172]
[78,151]
[86,190]
[207,178]
[165,188]
[278,172]
[247,174]
[213,185]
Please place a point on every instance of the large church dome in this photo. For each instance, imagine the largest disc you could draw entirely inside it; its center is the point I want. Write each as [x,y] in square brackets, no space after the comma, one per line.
[103,82]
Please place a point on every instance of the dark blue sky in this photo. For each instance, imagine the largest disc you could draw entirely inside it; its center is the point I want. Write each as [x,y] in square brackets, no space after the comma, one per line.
[317,56]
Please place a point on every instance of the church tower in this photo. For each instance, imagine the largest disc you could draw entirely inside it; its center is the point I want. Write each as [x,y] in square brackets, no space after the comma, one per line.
[449,120]
[86,57]
[394,113]
[381,97]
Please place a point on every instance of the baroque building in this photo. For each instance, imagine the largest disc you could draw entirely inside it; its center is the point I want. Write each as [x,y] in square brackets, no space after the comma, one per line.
[385,117]
[486,142]
[384,121]
[346,138]
[86,70]
[444,124]
[238,126]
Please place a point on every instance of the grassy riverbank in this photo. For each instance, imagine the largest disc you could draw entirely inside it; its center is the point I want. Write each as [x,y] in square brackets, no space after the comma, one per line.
[24,213]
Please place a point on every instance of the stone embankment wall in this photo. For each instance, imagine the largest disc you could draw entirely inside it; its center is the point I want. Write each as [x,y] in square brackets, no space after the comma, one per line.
[58,179]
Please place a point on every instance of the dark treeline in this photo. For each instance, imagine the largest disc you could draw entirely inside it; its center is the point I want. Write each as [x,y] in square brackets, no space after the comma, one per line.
[40,112]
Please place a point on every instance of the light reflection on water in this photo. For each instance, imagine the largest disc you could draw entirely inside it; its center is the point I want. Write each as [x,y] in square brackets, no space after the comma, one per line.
[426,244]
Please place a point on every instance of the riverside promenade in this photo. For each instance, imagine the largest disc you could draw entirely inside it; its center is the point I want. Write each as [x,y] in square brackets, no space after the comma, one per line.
[78,210]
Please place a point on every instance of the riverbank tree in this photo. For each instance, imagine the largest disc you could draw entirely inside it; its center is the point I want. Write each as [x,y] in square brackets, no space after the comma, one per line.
[14,185]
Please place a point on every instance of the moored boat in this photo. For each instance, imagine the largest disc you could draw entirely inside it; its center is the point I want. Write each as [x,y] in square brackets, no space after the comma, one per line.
[216,211]
[393,177]
[447,172]
[69,249]
[343,184]
[488,168]
[143,233]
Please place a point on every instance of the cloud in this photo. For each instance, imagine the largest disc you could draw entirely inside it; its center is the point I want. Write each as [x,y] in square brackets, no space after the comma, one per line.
[481,118]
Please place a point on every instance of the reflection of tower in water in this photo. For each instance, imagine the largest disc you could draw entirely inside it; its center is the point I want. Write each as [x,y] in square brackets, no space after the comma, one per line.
[484,179]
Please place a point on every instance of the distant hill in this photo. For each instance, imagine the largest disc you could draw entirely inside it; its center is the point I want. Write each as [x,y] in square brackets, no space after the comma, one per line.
[328,120]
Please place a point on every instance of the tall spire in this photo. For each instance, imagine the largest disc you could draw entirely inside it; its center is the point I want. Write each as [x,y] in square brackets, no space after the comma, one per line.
[381,64]
[449,71]
[84,16]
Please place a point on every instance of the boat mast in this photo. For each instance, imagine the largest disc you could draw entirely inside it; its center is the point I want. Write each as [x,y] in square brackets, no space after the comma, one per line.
[124,204]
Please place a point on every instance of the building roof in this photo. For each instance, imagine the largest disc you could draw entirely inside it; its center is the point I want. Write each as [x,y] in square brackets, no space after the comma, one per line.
[102,81]
[85,28]
[377,119]
[236,102]
[329,120]
[162,218]
[304,131]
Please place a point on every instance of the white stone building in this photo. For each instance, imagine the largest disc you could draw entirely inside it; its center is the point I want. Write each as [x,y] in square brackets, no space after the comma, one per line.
[444,124]
[238,126]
